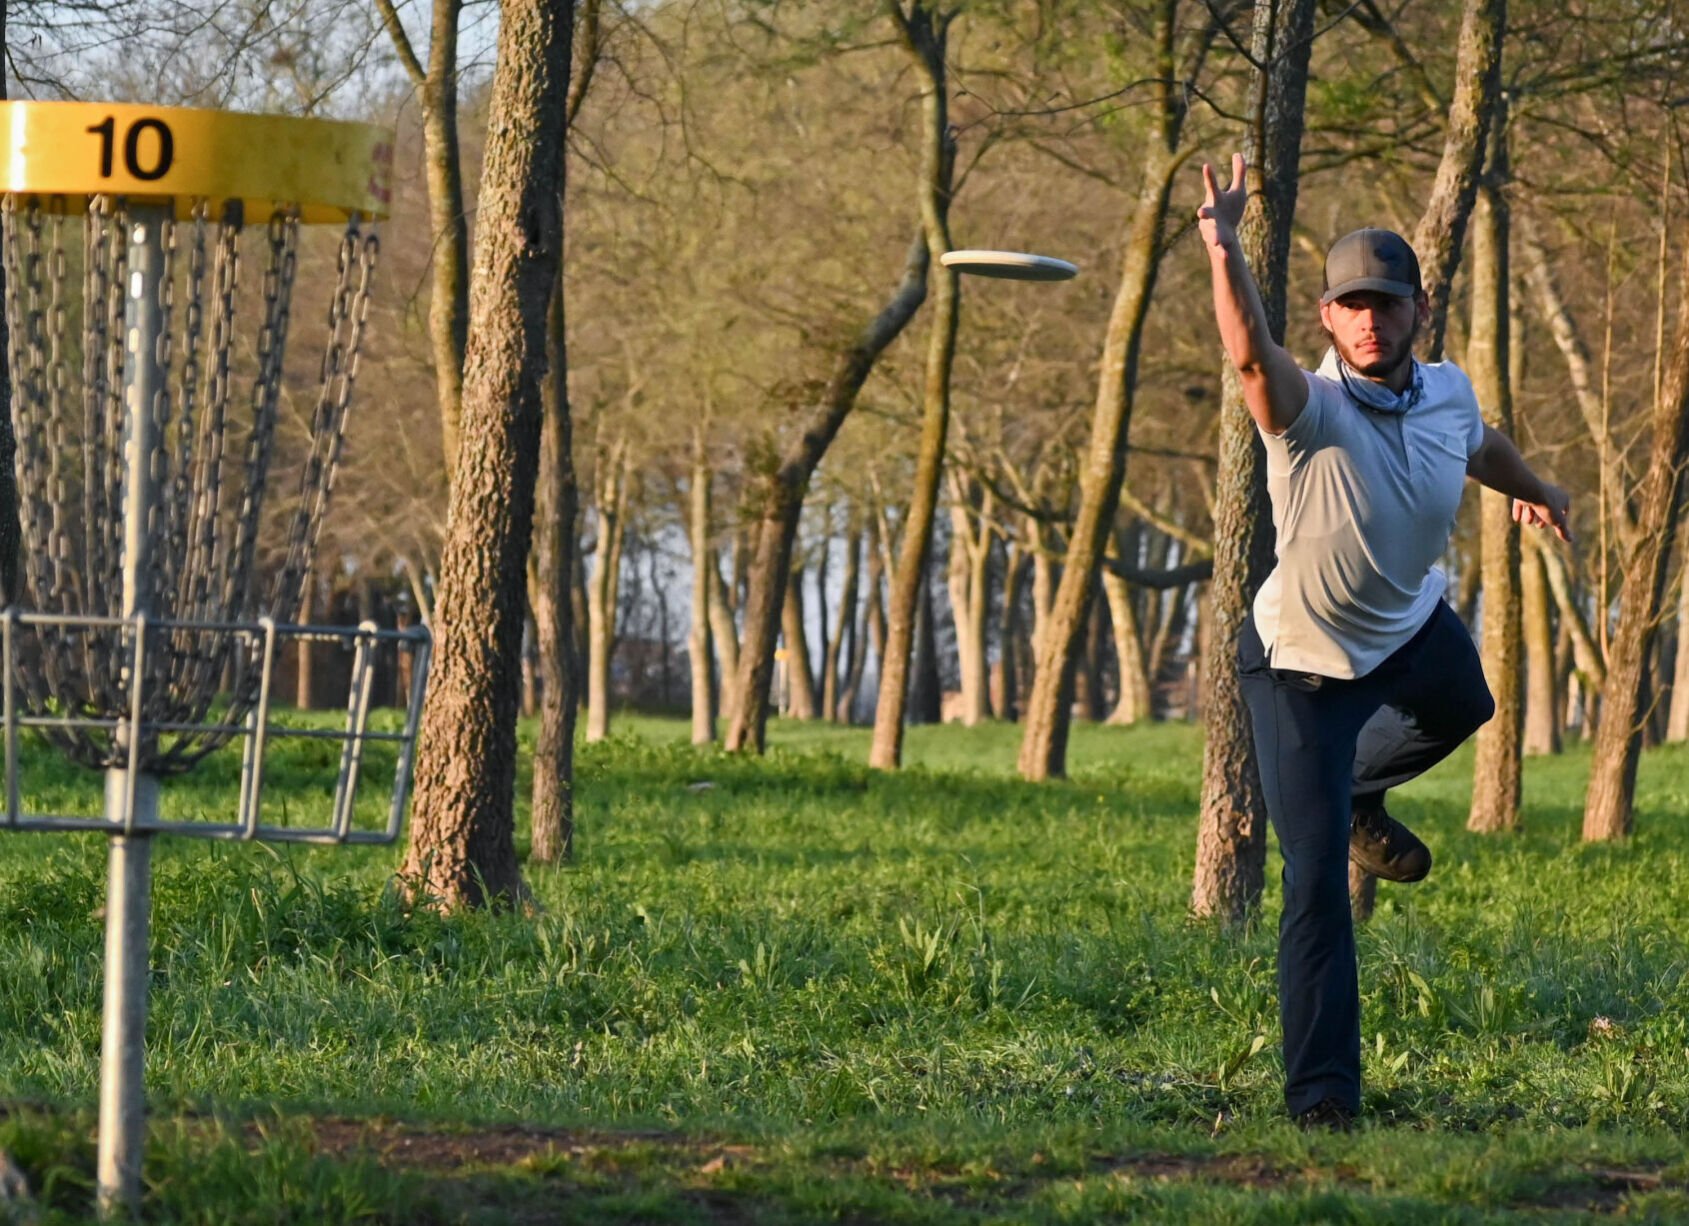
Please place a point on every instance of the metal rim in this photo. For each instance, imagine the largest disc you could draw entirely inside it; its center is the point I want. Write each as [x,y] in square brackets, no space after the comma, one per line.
[65,152]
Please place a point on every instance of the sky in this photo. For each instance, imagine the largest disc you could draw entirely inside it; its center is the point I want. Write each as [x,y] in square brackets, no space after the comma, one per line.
[329,58]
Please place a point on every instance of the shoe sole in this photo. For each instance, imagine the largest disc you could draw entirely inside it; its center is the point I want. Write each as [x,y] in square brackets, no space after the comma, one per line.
[1383,872]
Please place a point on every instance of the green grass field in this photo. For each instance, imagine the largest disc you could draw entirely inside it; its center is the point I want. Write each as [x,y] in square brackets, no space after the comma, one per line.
[794,990]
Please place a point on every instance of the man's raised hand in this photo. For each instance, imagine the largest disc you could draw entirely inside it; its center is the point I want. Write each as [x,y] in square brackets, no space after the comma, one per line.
[1221,211]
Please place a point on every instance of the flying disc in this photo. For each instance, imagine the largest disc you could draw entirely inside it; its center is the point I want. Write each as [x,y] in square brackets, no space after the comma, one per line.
[1011,265]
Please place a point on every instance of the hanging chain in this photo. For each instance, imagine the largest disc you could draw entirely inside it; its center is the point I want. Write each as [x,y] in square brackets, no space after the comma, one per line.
[348,312]
[209,549]
[203,530]
[282,241]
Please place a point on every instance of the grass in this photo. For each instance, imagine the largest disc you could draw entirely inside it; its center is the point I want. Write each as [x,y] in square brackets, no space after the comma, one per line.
[795,990]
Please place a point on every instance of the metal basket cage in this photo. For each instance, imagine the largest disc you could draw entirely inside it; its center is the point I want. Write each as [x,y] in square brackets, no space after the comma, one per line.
[134,741]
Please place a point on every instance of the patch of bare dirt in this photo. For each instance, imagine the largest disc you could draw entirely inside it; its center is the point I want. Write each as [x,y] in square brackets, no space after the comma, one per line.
[405,1145]
[1601,1192]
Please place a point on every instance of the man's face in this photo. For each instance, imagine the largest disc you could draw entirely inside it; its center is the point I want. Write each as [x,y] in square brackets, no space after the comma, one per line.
[1373,331]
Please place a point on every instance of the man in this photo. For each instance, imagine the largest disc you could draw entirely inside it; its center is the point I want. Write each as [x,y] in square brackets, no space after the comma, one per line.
[1357,675]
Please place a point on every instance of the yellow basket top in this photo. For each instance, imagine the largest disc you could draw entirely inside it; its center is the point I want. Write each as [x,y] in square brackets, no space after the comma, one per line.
[327,168]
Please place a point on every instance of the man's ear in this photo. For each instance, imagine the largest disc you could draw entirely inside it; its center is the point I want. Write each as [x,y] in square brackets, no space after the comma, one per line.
[1422,302]
[1325,316]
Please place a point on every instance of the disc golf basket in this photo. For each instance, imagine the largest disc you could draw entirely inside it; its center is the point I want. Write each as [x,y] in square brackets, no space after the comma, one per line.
[150,258]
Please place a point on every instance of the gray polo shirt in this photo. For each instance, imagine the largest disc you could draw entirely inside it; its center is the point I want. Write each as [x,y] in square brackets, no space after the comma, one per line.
[1364,501]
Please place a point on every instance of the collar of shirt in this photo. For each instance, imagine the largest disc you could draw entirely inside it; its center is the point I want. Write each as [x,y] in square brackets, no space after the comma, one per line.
[1370,395]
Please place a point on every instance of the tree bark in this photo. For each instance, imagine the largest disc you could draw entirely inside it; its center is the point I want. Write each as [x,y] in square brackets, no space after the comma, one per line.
[1231,846]
[1496,774]
[970,594]
[1587,659]
[698,636]
[448,299]
[604,584]
[1043,593]
[1438,238]
[1581,375]
[874,614]
[1543,708]
[1093,665]
[863,605]
[304,692]
[792,626]
[555,549]
[1677,720]
[1008,669]
[842,641]
[777,496]
[924,35]
[1133,705]
[1608,809]
[926,692]
[724,637]
[462,848]
[1043,749]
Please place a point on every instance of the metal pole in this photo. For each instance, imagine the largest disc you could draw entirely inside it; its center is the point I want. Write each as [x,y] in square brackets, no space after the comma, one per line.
[123,1034]
[129,881]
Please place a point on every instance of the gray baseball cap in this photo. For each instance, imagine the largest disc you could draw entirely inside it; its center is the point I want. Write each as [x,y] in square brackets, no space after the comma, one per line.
[1371,259]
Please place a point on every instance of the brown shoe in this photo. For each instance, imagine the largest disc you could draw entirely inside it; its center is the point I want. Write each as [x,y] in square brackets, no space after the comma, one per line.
[1386,848]
[1327,1115]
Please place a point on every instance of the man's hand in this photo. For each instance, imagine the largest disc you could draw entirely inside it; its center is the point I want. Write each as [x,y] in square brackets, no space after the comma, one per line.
[1220,212]
[1498,465]
[1549,512]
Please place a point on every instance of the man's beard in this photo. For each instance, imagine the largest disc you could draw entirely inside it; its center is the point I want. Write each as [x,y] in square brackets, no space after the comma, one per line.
[1380,367]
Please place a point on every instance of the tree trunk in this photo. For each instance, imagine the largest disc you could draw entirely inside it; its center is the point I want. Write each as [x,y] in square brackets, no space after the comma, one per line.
[1586,653]
[555,549]
[304,692]
[1653,714]
[1172,612]
[698,636]
[842,641]
[875,615]
[1583,380]
[924,36]
[1008,667]
[1094,663]
[462,848]
[724,637]
[1495,776]
[796,634]
[1677,720]
[1133,705]
[604,585]
[970,594]
[868,599]
[926,692]
[1438,238]
[665,653]
[1231,845]
[530,703]
[1618,742]
[778,500]
[1043,749]
[1543,708]
[448,299]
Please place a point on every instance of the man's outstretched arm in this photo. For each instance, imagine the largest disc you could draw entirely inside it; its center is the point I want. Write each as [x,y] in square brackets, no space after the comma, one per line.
[1498,465]
[1274,387]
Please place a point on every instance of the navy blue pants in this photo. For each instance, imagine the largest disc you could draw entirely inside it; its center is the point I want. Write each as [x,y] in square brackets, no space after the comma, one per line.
[1322,744]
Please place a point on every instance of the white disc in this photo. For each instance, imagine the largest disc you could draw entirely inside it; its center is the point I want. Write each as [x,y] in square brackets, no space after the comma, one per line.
[1011,265]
